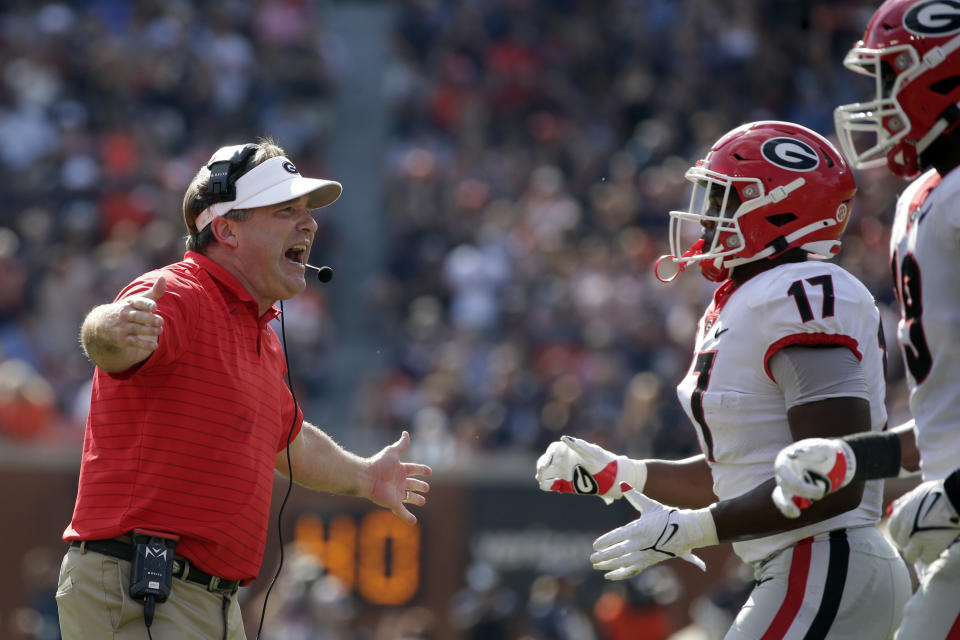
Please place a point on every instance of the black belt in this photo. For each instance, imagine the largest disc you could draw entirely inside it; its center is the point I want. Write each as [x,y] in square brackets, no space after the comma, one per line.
[123,550]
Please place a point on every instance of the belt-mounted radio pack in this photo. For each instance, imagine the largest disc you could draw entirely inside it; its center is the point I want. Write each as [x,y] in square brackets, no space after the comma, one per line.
[151,574]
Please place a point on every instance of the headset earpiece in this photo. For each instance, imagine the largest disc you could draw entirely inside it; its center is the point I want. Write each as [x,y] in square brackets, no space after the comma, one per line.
[224,168]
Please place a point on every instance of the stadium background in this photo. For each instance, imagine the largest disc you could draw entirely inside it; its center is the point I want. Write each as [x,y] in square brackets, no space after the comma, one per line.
[508,167]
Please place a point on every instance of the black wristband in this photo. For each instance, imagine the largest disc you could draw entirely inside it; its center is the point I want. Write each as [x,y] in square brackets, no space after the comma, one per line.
[877,454]
[951,487]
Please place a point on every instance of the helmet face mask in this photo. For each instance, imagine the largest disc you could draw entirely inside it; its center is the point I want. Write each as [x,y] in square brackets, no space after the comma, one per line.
[764,188]
[714,205]
[911,49]
[883,118]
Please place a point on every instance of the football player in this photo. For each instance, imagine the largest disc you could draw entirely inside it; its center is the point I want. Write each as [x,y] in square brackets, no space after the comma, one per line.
[911,49]
[788,349]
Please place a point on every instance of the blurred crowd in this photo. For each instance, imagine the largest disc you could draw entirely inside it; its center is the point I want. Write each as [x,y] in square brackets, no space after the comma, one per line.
[535,149]
[107,109]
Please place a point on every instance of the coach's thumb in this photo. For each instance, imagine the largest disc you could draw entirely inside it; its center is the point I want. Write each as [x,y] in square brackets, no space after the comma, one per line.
[402,443]
[157,290]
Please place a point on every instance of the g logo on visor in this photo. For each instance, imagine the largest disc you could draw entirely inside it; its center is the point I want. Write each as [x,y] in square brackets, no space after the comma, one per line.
[933,18]
[790,154]
[289,168]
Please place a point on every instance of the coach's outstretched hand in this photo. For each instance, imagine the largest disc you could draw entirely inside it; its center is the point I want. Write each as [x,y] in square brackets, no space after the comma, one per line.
[393,483]
[572,465]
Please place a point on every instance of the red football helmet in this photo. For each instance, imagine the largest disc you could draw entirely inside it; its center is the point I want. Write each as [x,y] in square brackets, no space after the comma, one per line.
[911,48]
[763,188]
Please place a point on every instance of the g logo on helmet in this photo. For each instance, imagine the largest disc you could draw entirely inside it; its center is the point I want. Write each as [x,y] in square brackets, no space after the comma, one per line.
[790,154]
[583,482]
[289,167]
[933,18]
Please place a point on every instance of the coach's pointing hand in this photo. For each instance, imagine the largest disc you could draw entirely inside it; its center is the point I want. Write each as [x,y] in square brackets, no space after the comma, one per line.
[123,333]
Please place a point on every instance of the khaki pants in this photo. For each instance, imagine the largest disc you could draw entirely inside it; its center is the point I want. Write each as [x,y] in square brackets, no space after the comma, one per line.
[93,601]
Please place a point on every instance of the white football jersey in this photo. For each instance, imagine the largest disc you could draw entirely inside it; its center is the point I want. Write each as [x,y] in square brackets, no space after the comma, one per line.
[738,410]
[925,255]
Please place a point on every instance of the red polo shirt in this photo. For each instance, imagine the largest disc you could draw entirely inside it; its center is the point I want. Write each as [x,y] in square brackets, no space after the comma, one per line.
[186,441]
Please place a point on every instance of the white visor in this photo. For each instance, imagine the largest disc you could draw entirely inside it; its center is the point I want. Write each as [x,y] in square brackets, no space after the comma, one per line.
[272,182]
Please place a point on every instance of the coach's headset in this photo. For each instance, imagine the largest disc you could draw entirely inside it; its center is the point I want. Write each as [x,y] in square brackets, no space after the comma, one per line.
[226,166]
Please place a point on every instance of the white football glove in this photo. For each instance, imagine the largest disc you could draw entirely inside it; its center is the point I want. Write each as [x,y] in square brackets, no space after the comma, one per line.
[809,469]
[660,533]
[924,522]
[572,465]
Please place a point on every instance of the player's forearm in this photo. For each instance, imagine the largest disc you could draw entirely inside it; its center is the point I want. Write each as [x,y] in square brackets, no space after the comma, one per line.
[689,484]
[753,514]
[321,464]
[684,483]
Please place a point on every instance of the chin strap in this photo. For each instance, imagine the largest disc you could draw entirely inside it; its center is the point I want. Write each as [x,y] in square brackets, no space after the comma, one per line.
[775,195]
[783,242]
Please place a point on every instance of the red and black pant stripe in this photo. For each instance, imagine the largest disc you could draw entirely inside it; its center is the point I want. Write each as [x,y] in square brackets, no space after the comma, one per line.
[797,585]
